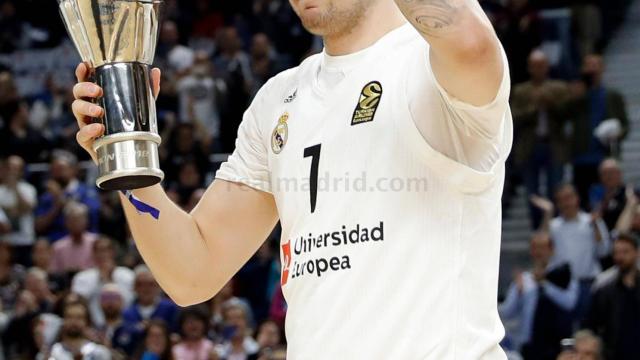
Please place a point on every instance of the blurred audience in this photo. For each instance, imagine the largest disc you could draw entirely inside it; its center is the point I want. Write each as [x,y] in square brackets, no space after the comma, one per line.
[62,187]
[540,302]
[629,220]
[74,252]
[580,239]
[18,137]
[614,313]
[540,146]
[88,283]
[74,343]
[18,199]
[194,344]
[149,304]
[201,96]
[584,346]
[214,57]
[607,197]
[588,112]
[238,342]
[156,343]
[11,277]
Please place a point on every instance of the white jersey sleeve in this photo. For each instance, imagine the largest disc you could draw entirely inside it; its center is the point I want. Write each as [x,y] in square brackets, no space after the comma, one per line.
[248,164]
[478,137]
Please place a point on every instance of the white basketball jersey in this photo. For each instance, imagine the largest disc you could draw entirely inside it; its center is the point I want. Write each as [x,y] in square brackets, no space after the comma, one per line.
[390,248]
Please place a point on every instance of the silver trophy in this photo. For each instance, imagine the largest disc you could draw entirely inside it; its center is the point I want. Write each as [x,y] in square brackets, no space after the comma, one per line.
[117,38]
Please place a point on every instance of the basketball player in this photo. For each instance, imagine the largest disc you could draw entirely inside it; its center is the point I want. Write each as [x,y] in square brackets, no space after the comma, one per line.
[406,92]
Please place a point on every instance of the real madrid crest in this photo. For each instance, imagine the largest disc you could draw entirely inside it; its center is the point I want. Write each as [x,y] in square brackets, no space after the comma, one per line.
[280,134]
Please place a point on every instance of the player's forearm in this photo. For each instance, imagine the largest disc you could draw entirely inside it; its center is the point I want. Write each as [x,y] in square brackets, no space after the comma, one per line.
[171,246]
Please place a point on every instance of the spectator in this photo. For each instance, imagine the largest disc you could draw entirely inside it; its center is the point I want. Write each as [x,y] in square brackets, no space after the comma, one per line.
[541,300]
[207,21]
[42,254]
[256,279]
[233,65]
[112,222]
[539,128]
[41,257]
[149,304]
[73,341]
[89,283]
[37,283]
[520,33]
[269,338]
[238,343]
[629,220]
[189,180]
[587,22]
[5,224]
[156,343]
[18,138]
[11,27]
[278,308]
[8,90]
[194,345]
[579,239]
[216,305]
[586,346]
[18,198]
[614,313]
[179,58]
[73,252]
[586,112]
[608,196]
[11,276]
[63,186]
[265,61]
[111,304]
[183,146]
[201,95]
[17,340]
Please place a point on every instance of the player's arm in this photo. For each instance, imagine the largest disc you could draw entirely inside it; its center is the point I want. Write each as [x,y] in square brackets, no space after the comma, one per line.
[465,52]
[191,255]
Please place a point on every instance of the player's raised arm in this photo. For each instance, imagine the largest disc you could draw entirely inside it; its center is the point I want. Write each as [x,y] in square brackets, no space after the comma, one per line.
[191,255]
[465,52]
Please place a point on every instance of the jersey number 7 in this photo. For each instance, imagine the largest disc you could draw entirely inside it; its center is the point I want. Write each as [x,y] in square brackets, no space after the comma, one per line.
[314,153]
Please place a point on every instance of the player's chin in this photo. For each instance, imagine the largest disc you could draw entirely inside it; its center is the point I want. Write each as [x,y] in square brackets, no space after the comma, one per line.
[314,24]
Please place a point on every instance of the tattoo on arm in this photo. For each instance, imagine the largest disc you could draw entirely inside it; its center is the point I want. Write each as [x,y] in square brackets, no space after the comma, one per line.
[431,17]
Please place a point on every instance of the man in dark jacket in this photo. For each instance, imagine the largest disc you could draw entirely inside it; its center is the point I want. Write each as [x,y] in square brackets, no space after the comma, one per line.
[593,105]
[615,308]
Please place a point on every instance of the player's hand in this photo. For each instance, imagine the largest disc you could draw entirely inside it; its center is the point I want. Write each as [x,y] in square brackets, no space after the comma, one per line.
[85,110]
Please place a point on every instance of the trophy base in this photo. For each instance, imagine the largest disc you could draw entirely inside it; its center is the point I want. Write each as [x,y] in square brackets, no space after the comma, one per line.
[128,161]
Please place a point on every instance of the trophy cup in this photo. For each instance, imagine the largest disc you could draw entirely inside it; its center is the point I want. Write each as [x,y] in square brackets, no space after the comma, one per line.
[117,38]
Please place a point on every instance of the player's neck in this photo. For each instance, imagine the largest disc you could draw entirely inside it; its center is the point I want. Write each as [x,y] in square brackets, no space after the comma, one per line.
[379,21]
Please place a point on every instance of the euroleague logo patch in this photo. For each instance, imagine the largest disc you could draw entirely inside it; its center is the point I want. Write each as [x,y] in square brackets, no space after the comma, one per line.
[368,104]
[280,134]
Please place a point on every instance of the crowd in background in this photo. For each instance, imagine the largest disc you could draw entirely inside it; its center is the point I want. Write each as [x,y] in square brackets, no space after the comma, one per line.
[72,281]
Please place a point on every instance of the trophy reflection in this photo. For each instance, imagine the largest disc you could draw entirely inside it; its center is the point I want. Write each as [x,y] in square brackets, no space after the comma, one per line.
[117,38]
